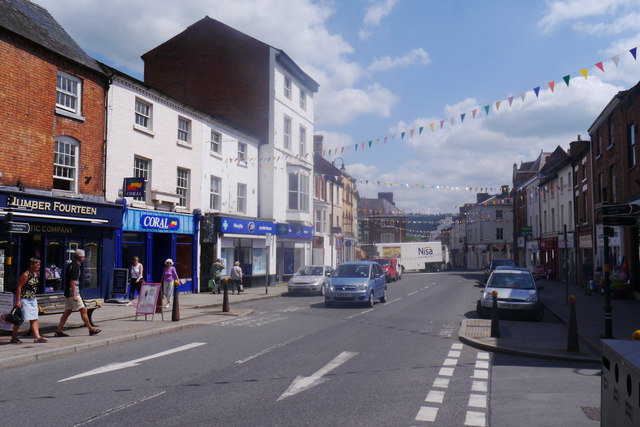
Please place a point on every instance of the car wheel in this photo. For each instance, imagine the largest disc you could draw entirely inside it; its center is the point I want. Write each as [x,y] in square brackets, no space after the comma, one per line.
[321,291]
[539,315]
[480,311]
[383,298]
[327,303]
[371,300]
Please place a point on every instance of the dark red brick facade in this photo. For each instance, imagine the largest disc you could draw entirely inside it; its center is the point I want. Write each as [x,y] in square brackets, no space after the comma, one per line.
[29,124]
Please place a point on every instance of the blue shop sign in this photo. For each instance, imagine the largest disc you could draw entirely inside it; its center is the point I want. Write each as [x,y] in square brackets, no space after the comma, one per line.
[245,226]
[295,230]
[157,222]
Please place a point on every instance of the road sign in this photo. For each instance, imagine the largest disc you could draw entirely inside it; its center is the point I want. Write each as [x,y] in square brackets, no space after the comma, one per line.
[18,227]
[621,209]
[622,221]
[526,231]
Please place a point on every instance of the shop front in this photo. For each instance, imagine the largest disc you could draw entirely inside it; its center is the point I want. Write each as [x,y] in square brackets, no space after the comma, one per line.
[153,236]
[246,240]
[51,229]
[294,248]
[549,257]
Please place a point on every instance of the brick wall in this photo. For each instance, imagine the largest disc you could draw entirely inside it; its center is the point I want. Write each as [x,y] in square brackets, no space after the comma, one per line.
[29,125]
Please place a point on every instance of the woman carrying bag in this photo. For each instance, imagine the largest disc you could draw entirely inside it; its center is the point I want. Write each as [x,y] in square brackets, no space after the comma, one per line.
[236,278]
[27,303]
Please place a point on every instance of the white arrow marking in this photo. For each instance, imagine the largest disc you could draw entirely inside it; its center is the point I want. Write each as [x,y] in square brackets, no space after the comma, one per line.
[123,365]
[304,383]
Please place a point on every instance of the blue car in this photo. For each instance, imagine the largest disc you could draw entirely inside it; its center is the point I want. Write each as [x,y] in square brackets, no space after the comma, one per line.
[357,281]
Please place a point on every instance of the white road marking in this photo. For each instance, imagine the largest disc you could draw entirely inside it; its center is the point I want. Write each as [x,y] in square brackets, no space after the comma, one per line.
[446,372]
[446,332]
[480,386]
[123,365]
[480,374]
[362,312]
[456,346]
[267,350]
[475,419]
[411,293]
[450,362]
[427,413]
[483,355]
[119,408]
[304,383]
[441,383]
[389,302]
[478,401]
[435,396]
[482,364]
[454,353]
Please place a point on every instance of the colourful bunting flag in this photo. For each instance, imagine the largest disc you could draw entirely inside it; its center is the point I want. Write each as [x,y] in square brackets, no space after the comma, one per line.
[599,65]
[536,90]
[441,123]
[411,133]
[510,100]
[462,117]
[432,126]
[473,113]
[486,109]
[370,142]
[498,105]
[522,95]
[420,130]
[402,136]
[567,78]
[633,52]
[583,72]
[552,85]
[616,59]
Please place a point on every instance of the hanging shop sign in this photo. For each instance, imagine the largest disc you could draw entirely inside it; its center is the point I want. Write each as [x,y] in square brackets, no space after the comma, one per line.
[133,187]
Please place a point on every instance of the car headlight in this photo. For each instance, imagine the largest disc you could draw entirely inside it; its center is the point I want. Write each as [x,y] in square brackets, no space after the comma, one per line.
[532,297]
[487,296]
[362,287]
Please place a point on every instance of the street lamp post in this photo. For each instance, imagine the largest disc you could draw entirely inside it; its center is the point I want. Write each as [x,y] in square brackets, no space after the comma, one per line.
[268,245]
[343,170]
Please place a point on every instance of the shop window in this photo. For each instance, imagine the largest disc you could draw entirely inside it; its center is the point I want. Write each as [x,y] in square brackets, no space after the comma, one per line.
[53,267]
[90,266]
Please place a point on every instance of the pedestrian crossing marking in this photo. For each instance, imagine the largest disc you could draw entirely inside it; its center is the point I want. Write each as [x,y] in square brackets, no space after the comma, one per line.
[427,413]
[435,396]
[441,383]
[476,419]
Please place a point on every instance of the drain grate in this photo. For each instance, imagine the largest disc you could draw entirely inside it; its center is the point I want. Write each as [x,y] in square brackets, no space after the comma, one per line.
[592,412]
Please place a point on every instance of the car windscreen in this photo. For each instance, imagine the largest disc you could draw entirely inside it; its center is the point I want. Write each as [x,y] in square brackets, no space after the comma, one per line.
[382,262]
[351,270]
[511,281]
[309,271]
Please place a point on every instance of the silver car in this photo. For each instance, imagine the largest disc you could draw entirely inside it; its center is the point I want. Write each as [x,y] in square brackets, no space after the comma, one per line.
[517,293]
[311,278]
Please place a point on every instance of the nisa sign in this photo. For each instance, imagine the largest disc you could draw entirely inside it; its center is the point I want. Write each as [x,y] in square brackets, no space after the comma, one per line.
[159,223]
[426,251]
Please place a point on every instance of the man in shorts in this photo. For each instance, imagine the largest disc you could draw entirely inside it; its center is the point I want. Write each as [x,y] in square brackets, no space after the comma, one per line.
[73,299]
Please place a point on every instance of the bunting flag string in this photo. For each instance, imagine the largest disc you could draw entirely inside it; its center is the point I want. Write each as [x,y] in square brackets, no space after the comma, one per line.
[410,133]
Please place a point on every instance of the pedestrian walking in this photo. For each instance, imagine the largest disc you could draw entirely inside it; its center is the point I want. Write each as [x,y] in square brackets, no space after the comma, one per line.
[236,278]
[73,297]
[135,277]
[169,276]
[216,275]
[27,303]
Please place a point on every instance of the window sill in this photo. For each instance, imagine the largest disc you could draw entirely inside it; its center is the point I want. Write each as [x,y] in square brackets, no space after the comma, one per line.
[184,144]
[215,155]
[69,114]
[242,163]
[598,156]
[144,130]
[609,147]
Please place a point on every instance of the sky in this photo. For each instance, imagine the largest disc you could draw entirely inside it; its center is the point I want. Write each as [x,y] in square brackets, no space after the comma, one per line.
[441,93]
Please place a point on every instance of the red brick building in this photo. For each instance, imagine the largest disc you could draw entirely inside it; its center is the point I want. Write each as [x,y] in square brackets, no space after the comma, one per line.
[616,179]
[52,119]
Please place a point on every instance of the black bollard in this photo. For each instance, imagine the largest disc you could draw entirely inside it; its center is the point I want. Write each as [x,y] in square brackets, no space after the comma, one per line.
[573,344]
[175,312]
[495,318]
[225,297]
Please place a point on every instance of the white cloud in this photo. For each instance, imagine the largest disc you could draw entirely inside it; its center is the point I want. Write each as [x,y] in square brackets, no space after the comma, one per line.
[559,11]
[629,22]
[342,106]
[415,56]
[374,14]
[122,31]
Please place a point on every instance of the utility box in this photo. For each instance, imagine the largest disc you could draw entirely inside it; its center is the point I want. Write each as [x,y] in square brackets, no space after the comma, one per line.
[620,386]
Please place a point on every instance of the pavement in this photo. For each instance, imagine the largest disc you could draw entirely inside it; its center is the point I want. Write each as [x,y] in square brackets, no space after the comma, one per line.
[119,324]
[547,339]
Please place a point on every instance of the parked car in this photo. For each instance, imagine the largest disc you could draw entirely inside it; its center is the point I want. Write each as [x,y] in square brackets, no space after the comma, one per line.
[495,263]
[517,293]
[310,278]
[356,281]
[390,267]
